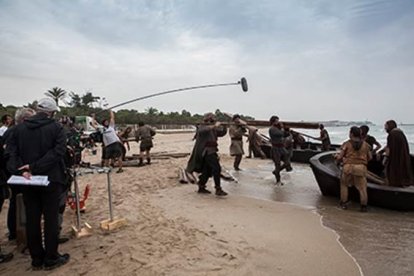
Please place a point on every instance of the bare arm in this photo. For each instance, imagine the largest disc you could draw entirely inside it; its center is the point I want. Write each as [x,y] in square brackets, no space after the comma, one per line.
[340,156]
[112,118]
[377,146]
[94,123]
[305,135]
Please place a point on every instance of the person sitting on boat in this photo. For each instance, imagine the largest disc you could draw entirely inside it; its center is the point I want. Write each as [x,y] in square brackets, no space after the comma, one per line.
[324,138]
[355,154]
[398,167]
[278,151]
[372,142]
[236,133]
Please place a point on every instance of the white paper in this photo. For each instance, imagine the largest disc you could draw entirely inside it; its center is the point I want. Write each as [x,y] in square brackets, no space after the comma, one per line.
[35,180]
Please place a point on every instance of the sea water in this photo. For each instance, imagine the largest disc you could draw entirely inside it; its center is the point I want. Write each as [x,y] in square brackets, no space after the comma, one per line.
[381,240]
[339,134]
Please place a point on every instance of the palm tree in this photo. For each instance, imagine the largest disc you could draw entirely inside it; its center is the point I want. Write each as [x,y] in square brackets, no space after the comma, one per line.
[56,94]
[88,99]
[151,111]
[32,105]
[75,100]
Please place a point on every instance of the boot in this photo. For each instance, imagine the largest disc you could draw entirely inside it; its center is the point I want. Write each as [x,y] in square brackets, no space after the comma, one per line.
[220,192]
[203,190]
[148,161]
[141,162]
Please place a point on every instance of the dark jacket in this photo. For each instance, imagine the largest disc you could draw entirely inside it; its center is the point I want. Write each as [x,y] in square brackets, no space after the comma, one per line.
[399,169]
[3,173]
[40,142]
[205,144]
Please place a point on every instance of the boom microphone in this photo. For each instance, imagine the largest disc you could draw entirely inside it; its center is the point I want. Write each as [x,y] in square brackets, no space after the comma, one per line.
[242,82]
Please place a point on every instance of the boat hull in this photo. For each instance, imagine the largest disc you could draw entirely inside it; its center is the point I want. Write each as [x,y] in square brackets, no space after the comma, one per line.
[327,176]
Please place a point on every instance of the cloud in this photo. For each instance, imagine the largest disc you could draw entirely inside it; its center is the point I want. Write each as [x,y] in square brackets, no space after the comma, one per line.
[303,59]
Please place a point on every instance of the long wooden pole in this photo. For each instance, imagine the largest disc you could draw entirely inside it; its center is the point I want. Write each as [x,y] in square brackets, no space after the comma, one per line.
[290,124]
[264,123]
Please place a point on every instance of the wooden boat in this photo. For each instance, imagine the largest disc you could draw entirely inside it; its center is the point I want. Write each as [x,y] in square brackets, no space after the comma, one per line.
[303,153]
[327,175]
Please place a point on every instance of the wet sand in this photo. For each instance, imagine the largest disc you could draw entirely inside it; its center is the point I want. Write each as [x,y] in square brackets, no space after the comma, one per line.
[172,230]
[380,240]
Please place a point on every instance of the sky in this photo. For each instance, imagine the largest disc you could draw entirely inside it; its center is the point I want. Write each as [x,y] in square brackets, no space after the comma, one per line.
[310,60]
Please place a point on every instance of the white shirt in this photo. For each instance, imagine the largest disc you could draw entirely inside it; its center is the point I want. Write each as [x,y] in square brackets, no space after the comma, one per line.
[109,136]
[2,130]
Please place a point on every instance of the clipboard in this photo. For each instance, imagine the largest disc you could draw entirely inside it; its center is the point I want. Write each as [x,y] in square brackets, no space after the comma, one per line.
[35,180]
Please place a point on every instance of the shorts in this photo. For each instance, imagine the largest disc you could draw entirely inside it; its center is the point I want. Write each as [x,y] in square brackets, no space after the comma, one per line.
[113,151]
[145,145]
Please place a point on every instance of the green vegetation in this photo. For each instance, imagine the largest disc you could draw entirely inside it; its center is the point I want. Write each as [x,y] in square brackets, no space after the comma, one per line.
[86,104]
[56,94]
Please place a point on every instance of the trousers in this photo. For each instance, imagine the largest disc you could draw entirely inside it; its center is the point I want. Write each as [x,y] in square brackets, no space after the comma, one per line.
[42,201]
[211,167]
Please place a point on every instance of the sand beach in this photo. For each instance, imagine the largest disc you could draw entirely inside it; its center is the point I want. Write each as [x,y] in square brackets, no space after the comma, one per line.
[172,230]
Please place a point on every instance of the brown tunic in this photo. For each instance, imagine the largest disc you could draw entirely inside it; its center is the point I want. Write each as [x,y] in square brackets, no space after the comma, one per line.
[236,134]
[355,170]
[353,156]
[144,134]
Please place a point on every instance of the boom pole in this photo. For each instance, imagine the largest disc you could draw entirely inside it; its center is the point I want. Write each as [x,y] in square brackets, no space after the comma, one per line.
[242,82]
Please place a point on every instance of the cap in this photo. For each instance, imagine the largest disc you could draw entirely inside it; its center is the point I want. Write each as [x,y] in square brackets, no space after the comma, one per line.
[47,105]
